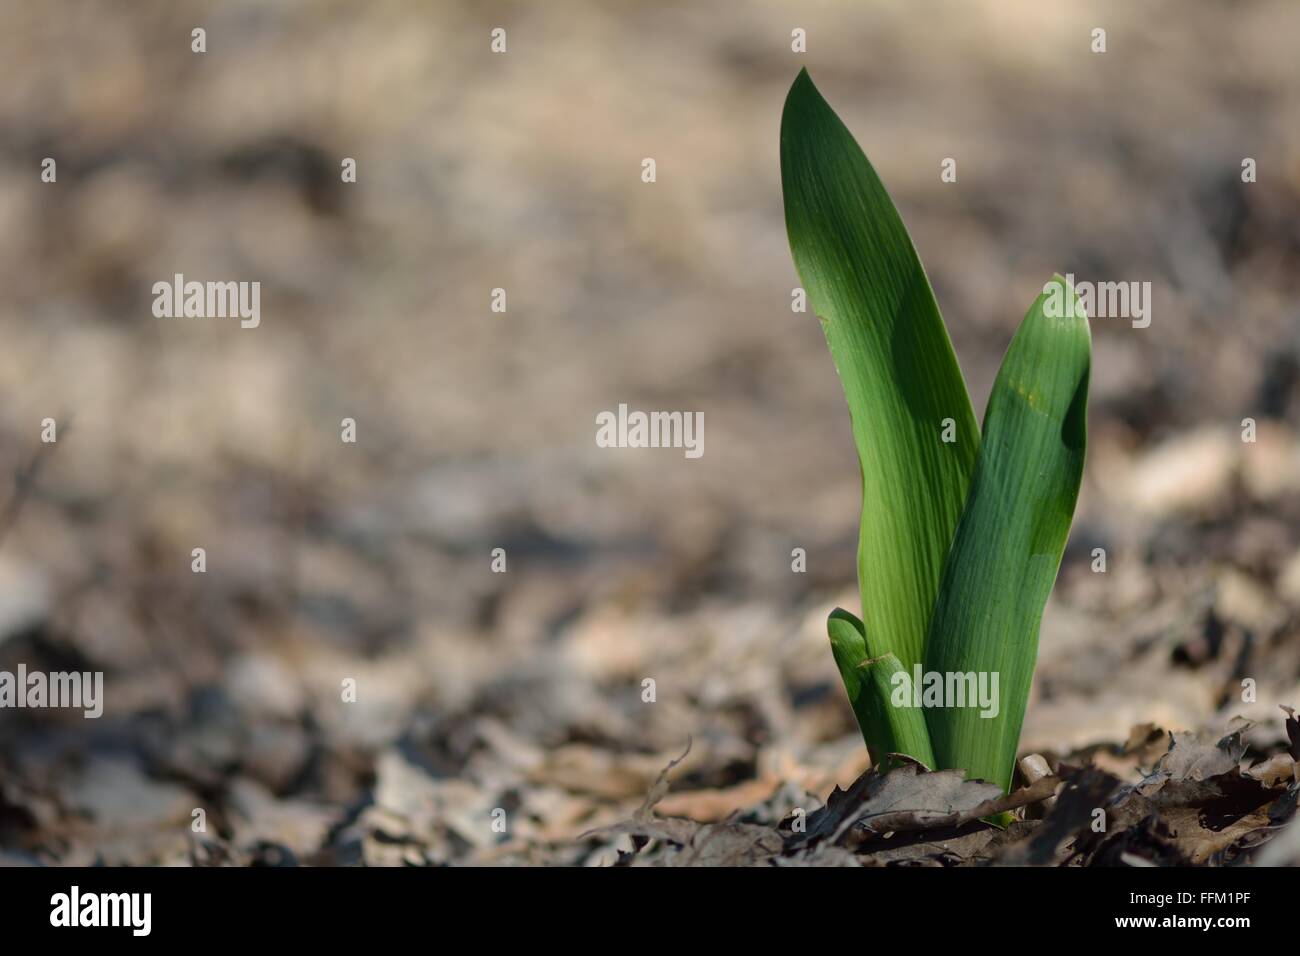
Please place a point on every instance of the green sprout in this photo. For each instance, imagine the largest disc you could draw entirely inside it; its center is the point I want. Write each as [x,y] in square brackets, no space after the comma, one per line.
[961,534]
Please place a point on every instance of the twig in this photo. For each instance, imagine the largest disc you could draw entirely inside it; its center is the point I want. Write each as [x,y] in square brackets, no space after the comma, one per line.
[24,481]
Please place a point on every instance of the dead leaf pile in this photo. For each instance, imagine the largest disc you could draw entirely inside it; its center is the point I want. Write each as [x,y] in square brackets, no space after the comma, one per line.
[1198,805]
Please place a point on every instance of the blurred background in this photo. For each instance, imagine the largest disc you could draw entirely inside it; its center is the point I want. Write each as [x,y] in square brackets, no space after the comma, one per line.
[523,691]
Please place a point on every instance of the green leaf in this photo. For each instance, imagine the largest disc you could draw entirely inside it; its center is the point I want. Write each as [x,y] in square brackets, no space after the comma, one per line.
[887,729]
[849,647]
[1008,546]
[897,366]
[906,724]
